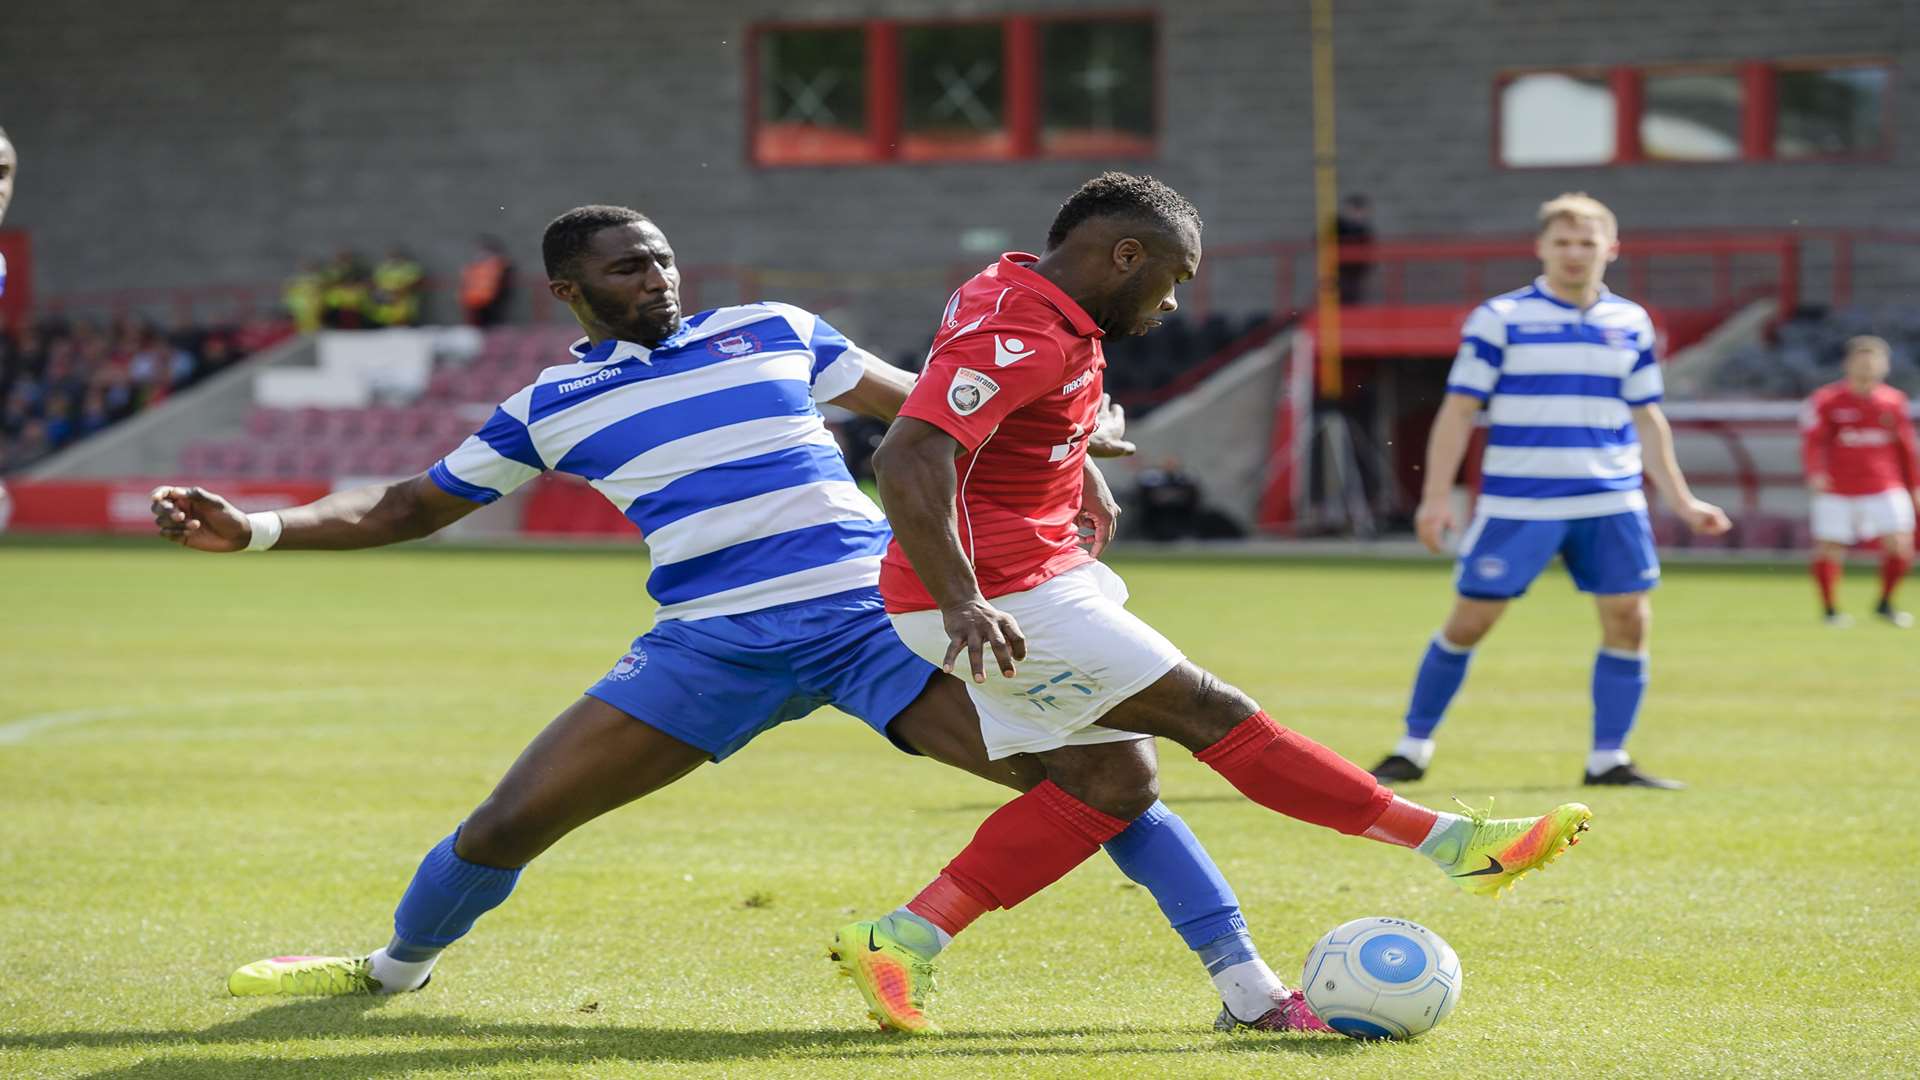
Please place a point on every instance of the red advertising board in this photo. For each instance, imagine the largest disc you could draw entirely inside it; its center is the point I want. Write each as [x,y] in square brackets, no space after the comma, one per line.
[123,504]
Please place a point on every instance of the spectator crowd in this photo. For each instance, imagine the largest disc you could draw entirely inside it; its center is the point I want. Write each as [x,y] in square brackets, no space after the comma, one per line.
[63,380]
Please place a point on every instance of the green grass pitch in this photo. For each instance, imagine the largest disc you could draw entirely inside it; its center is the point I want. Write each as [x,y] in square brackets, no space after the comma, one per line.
[208,760]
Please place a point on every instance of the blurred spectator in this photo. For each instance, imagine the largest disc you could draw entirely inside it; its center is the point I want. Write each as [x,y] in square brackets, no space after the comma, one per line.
[61,382]
[304,296]
[347,294]
[396,290]
[485,284]
[1171,507]
[1353,225]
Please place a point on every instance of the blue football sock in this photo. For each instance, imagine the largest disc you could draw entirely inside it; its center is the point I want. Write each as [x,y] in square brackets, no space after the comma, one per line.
[1442,670]
[1619,682]
[446,895]
[1162,855]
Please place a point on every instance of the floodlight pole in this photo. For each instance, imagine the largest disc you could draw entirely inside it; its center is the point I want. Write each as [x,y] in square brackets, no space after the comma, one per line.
[1326,193]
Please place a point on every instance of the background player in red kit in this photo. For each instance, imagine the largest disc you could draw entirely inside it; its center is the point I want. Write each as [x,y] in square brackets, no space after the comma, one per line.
[984,476]
[1858,447]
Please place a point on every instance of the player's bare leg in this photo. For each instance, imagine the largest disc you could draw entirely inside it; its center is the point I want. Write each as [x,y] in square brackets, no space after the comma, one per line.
[591,759]
[1443,667]
[1829,559]
[1157,851]
[1291,774]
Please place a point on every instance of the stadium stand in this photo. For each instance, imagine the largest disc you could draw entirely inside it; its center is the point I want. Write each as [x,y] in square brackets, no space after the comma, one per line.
[383,439]
[62,381]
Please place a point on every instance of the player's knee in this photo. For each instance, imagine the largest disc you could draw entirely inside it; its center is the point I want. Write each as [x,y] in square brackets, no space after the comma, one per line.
[1627,626]
[1124,797]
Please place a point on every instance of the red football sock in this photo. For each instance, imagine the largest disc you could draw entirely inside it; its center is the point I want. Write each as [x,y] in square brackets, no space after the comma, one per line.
[1827,573]
[1893,569]
[1286,771]
[1021,848]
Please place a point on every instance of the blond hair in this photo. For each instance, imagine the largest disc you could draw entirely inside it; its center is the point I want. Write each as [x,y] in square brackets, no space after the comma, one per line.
[1576,207]
[1869,343]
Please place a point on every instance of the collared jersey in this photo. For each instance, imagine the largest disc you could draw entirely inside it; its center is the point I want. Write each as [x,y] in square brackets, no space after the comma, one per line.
[1015,377]
[1862,443]
[712,446]
[1559,384]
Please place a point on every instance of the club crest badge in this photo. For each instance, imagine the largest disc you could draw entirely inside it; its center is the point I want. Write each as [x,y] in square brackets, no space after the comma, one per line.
[740,344]
[629,666]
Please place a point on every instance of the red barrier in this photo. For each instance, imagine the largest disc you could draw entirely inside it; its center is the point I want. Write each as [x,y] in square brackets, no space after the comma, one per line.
[122,505]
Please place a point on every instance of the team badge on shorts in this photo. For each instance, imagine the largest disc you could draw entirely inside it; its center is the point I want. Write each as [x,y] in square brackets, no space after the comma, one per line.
[629,665]
[969,391]
[1490,566]
[740,344]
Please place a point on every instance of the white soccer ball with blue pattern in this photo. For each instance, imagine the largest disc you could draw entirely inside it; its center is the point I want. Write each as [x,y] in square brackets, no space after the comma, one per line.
[1381,978]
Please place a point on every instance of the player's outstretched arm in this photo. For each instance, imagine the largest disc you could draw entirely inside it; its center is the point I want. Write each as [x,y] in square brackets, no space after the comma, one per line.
[914,465]
[1659,462]
[1446,448]
[881,391]
[363,517]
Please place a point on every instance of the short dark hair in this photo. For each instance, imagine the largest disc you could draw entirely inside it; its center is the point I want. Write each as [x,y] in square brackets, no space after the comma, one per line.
[1118,194]
[568,235]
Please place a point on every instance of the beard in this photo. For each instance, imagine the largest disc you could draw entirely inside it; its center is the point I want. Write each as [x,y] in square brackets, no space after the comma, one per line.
[628,322]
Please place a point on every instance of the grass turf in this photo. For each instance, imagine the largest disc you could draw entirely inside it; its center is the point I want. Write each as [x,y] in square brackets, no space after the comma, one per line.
[208,760]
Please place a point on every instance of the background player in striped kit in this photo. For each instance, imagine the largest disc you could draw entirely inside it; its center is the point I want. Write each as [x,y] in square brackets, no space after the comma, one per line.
[1567,374]
[765,561]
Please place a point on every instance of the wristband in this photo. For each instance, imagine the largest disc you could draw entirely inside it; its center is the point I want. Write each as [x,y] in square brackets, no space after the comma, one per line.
[267,527]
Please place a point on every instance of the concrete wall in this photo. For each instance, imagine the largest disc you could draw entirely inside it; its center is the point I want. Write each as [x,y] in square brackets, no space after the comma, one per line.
[172,142]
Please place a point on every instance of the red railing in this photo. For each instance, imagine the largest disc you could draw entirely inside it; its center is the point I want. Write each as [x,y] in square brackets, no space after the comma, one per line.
[1692,270]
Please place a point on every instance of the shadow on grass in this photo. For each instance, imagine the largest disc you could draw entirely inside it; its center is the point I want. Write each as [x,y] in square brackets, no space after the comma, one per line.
[359,1019]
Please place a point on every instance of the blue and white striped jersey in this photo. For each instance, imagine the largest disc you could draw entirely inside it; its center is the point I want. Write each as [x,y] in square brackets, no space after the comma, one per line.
[1560,384]
[712,446]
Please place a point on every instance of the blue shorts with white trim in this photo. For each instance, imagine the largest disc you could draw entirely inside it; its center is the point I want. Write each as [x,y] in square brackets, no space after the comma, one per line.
[716,683]
[1610,554]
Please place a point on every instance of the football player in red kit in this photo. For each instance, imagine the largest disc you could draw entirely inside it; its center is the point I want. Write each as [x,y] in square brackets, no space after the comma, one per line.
[985,479]
[1858,447]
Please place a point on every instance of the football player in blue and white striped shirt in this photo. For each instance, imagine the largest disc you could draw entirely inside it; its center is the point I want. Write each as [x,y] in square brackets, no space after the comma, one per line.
[705,433]
[1566,372]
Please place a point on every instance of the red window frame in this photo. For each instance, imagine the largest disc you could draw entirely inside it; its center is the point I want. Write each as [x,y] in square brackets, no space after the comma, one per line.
[1883,151]
[885,141]
[1759,109]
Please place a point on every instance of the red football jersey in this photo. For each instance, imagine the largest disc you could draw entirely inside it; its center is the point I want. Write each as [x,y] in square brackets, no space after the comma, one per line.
[1862,443]
[1015,377]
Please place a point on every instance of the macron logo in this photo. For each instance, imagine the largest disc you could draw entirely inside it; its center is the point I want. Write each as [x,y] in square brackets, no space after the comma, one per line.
[1010,351]
[585,381]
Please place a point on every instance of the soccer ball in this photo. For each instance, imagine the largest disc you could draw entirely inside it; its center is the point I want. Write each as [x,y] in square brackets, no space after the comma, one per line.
[1382,978]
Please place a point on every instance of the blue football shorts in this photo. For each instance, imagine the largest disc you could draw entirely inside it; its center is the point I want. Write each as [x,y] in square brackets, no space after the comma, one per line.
[716,683]
[1607,555]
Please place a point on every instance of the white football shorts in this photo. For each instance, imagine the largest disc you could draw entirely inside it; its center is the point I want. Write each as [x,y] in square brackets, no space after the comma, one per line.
[1086,653]
[1853,519]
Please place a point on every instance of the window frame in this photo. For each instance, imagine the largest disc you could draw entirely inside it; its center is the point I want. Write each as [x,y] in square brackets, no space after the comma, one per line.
[1882,152]
[1022,87]
[1759,109]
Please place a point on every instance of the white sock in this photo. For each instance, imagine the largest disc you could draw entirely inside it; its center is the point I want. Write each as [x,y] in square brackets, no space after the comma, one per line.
[1447,839]
[398,976]
[1599,761]
[1247,989]
[1418,751]
[941,938]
